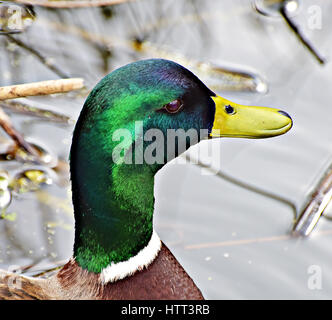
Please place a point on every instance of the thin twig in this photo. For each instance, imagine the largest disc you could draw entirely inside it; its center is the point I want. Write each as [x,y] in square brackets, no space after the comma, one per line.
[250,241]
[40,88]
[300,36]
[42,273]
[73,4]
[6,124]
[24,108]
[238,242]
[44,60]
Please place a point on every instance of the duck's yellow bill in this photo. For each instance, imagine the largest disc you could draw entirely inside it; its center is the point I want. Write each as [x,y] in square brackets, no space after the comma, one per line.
[235,120]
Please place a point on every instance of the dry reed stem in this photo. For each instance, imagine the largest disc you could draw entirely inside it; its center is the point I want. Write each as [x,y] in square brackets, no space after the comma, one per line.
[40,88]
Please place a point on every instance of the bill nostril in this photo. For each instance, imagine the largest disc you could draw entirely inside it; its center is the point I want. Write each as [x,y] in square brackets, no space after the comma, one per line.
[285,114]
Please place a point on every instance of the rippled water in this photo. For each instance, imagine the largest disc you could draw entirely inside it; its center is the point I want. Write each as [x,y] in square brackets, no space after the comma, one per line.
[233,241]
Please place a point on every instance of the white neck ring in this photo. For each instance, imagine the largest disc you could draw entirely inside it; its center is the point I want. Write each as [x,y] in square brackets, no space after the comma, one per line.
[120,270]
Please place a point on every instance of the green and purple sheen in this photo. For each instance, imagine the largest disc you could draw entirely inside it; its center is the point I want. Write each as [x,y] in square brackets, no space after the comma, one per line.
[114,203]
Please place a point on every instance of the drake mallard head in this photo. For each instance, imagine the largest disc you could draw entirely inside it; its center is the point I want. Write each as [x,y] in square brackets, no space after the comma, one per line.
[128,115]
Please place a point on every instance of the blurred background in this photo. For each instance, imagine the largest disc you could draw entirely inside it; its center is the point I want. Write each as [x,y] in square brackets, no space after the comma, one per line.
[231,228]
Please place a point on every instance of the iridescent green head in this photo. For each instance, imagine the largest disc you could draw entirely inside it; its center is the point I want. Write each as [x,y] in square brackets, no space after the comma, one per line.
[127,116]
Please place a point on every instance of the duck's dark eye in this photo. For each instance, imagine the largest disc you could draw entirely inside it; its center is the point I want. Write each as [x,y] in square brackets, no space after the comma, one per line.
[229,109]
[173,106]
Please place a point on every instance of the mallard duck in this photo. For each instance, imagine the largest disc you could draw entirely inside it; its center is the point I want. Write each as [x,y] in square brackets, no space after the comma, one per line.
[119,143]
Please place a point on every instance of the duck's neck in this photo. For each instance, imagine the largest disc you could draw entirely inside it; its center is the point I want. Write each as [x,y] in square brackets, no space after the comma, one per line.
[113,203]
[113,213]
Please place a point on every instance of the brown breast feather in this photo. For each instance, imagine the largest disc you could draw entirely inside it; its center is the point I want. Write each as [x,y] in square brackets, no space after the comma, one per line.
[163,279]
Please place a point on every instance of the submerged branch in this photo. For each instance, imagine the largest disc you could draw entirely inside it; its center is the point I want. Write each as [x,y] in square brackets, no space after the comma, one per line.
[40,88]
